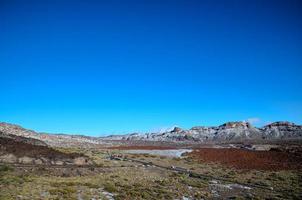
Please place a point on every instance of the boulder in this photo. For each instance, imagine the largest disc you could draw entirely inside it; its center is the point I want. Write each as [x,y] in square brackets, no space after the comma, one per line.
[8,158]
[80,161]
[26,160]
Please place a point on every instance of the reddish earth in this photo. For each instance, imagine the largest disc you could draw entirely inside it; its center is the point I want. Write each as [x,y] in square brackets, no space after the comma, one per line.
[245,159]
[142,147]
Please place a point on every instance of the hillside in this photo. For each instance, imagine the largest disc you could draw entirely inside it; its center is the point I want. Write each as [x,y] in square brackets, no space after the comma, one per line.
[57,140]
[21,150]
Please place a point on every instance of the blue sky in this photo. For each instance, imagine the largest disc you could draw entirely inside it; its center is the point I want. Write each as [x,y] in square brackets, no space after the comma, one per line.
[102,67]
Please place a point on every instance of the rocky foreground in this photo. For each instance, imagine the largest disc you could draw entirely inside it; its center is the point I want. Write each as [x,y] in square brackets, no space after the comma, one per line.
[228,132]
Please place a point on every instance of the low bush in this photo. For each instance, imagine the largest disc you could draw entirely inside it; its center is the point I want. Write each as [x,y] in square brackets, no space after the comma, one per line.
[110,187]
[5,168]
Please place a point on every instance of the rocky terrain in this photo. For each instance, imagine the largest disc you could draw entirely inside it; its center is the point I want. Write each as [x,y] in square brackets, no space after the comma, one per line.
[228,132]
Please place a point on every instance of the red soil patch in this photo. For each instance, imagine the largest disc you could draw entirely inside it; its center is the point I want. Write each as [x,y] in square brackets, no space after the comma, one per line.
[245,159]
[142,147]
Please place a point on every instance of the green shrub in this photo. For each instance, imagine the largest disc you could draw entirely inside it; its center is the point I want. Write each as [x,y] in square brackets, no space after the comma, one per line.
[110,187]
[5,168]
[63,192]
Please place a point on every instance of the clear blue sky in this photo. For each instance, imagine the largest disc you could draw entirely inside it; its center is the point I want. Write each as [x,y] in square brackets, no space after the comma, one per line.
[100,67]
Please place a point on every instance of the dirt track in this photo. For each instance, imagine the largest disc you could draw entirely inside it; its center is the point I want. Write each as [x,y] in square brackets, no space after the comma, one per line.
[245,159]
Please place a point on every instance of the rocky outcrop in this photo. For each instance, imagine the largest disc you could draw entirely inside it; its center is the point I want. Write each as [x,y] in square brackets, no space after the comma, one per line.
[228,125]
[176,130]
[282,130]
[8,158]
[237,131]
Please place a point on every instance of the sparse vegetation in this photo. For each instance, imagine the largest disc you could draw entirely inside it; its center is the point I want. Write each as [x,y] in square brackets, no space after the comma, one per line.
[130,180]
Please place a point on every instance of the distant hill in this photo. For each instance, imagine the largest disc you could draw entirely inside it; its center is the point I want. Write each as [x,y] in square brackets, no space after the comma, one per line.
[58,140]
[230,131]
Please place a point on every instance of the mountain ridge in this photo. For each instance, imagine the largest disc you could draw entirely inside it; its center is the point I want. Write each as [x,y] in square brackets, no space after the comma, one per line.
[229,131]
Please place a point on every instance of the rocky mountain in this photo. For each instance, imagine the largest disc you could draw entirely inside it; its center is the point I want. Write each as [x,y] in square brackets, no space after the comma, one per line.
[231,131]
[228,132]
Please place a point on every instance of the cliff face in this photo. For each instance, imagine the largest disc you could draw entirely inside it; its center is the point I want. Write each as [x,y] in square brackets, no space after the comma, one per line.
[282,130]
